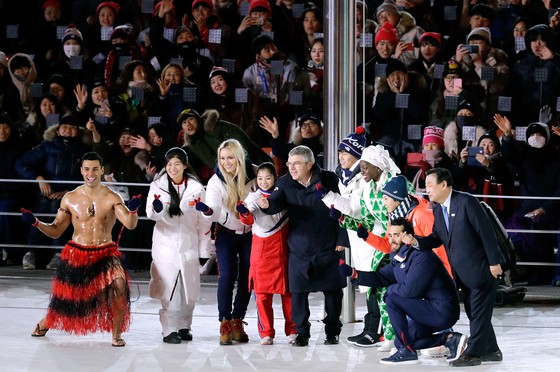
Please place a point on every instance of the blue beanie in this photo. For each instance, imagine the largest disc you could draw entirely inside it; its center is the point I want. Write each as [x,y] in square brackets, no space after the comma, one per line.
[354,143]
[396,188]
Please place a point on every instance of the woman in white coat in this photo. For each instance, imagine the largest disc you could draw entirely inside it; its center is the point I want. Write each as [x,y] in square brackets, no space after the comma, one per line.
[181,236]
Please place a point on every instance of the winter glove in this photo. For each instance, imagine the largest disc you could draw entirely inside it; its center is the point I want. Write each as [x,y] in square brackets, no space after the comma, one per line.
[320,191]
[335,214]
[157,204]
[362,232]
[28,217]
[201,207]
[241,208]
[134,203]
[347,270]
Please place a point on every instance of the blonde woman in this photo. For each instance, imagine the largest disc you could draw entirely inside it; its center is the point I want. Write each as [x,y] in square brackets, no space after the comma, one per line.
[233,180]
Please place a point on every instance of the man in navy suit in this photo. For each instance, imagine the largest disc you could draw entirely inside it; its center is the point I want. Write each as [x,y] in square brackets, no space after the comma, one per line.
[421,297]
[462,226]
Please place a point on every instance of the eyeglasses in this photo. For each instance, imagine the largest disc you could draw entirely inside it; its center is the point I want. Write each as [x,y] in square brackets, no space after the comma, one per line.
[449,79]
[295,164]
[308,125]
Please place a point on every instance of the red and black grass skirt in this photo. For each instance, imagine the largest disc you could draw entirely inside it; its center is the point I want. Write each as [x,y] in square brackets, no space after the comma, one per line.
[81,300]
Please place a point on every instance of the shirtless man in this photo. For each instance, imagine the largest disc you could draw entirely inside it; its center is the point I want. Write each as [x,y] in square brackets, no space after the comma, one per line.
[90,291]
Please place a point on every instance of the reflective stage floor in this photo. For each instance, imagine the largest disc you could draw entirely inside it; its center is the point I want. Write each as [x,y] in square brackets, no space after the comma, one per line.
[528,335]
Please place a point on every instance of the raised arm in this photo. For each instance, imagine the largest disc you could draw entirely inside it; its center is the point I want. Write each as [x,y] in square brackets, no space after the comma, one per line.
[54,229]
[127,216]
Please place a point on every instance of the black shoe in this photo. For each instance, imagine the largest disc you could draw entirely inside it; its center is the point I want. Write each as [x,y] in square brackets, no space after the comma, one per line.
[331,340]
[494,357]
[353,339]
[172,338]
[368,340]
[466,360]
[301,340]
[185,334]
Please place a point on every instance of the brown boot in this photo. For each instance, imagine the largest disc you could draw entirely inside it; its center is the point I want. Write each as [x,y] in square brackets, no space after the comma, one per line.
[237,332]
[225,332]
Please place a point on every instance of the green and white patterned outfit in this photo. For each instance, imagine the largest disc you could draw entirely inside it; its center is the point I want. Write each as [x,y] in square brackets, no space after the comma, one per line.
[374,217]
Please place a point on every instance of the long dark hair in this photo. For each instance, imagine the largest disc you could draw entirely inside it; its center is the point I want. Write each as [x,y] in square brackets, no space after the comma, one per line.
[174,208]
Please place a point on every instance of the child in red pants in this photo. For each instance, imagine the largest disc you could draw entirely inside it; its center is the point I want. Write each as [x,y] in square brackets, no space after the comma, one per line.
[268,273]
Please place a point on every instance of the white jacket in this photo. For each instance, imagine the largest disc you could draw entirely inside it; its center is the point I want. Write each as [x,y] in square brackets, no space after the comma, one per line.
[348,202]
[178,241]
[217,199]
[265,225]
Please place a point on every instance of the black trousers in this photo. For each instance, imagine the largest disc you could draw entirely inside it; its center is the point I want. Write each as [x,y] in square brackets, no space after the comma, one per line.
[333,308]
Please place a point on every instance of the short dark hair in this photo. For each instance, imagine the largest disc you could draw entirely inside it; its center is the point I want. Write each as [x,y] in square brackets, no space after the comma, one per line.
[442,174]
[268,166]
[406,224]
[92,156]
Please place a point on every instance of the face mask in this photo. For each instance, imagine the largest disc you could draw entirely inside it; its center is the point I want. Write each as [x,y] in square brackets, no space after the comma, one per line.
[120,47]
[20,77]
[465,121]
[72,50]
[536,141]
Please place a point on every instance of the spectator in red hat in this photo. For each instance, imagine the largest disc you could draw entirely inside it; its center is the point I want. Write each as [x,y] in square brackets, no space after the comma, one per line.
[98,38]
[254,24]
[386,40]
[406,28]
[44,43]
[204,20]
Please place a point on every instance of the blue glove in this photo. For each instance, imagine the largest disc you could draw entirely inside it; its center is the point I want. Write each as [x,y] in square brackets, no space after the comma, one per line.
[320,191]
[28,217]
[135,203]
[157,204]
[334,213]
[362,232]
[346,270]
[201,207]
[241,208]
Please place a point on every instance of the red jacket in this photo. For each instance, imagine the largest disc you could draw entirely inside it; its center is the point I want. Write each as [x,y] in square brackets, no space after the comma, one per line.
[422,219]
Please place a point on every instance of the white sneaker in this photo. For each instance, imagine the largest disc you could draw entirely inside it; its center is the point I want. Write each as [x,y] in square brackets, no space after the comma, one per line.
[55,261]
[386,345]
[292,338]
[29,261]
[436,352]
[267,340]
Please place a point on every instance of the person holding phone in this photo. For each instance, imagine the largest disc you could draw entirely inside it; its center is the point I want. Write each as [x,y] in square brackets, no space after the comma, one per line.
[485,173]
[484,66]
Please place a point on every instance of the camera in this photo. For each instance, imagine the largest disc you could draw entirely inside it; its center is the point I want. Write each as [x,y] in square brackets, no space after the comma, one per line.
[472,48]
[259,21]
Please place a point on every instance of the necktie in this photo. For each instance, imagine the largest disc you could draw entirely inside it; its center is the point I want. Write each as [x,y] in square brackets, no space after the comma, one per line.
[445,216]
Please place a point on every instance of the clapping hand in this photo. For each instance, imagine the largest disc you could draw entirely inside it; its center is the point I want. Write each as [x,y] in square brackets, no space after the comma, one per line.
[347,270]
[28,217]
[362,232]
[201,207]
[157,204]
[134,203]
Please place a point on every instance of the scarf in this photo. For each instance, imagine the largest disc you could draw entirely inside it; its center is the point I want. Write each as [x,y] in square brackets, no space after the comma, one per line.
[403,209]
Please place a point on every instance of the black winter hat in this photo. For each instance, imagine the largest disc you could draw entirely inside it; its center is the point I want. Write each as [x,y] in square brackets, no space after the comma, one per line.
[260,42]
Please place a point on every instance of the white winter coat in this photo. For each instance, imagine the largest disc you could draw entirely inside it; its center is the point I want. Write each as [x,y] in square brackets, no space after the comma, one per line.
[348,202]
[217,199]
[178,242]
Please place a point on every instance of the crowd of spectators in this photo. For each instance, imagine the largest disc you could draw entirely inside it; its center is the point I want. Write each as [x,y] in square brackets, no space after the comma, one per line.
[131,79]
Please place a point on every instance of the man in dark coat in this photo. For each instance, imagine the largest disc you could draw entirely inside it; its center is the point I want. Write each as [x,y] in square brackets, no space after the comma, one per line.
[316,241]
[462,226]
[421,298]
